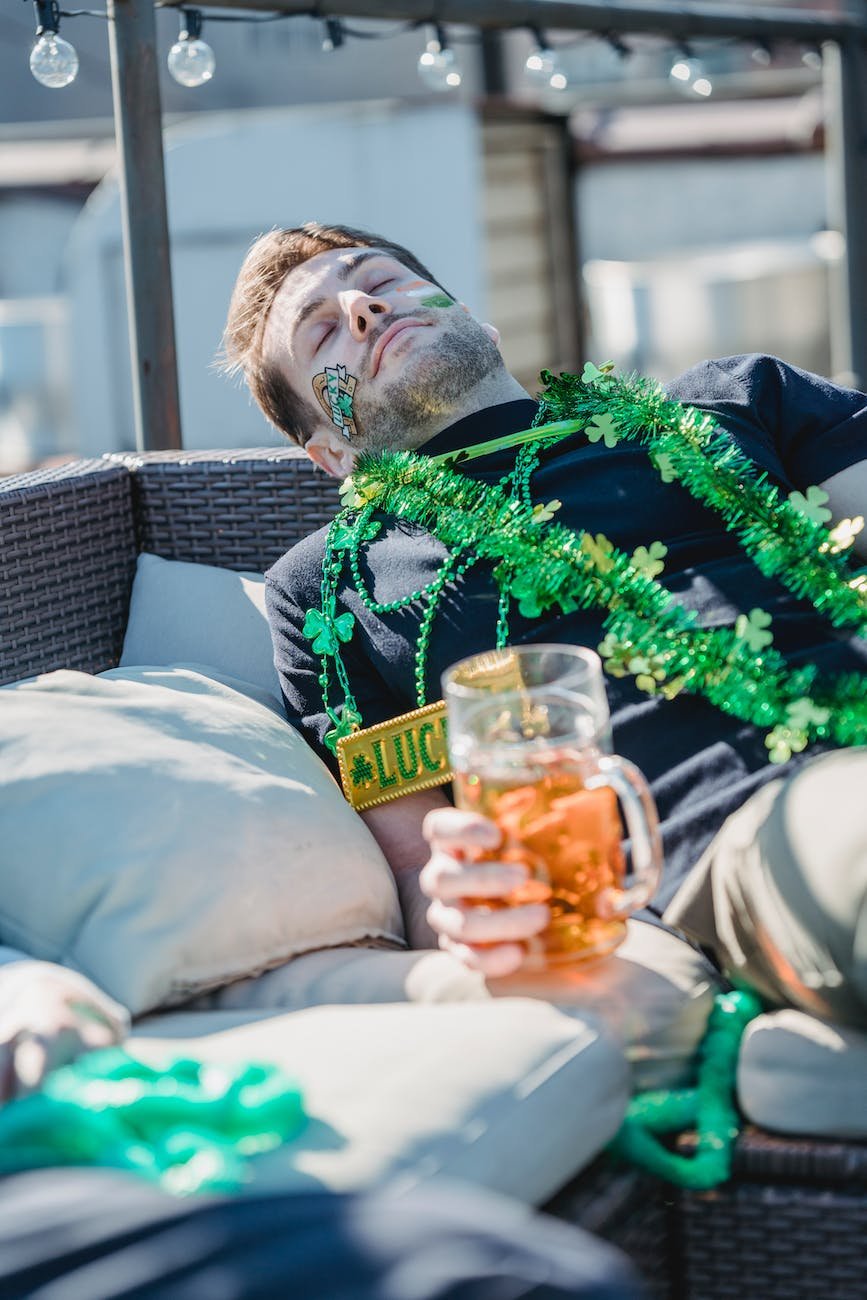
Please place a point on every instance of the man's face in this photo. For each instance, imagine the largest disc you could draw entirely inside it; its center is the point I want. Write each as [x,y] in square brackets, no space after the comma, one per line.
[380,356]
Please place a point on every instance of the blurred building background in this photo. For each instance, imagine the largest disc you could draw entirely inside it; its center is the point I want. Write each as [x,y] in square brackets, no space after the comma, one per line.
[628,216]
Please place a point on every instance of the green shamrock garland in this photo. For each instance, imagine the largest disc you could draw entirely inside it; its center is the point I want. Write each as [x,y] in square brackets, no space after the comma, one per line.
[543,565]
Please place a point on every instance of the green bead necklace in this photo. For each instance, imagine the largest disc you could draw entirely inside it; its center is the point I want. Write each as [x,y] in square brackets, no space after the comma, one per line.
[326,628]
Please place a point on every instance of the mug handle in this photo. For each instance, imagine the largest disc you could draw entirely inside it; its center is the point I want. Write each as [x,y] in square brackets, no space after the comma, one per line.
[642,825]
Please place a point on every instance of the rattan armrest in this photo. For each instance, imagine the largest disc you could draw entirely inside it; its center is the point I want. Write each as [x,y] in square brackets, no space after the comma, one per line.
[67,557]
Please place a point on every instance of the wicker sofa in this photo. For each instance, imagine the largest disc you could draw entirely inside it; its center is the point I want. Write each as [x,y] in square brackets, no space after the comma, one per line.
[792,1219]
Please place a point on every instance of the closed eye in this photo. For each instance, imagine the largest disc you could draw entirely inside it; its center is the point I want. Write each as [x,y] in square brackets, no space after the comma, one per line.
[383,284]
[326,334]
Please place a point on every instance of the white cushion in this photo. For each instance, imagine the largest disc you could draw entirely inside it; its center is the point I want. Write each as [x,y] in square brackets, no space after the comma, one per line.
[197,614]
[797,1074]
[165,834]
[655,992]
[512,1094]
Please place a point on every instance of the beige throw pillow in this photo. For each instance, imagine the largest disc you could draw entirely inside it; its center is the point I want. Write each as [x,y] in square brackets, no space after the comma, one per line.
[165,834]
[198,614]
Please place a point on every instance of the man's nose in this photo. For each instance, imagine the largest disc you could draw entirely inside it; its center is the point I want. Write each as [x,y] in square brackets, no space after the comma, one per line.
[363,311]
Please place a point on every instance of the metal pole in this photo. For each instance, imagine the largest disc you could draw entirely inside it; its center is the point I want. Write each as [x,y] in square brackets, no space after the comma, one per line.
[138,129]
[846,83]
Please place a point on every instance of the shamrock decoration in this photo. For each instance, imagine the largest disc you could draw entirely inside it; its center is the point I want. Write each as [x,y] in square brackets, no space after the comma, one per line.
[648,670]
[596,374]
[812,505]
[343,534]
[615,655]
[664,466]
[326,632]
[348,495]
[348,722]
[354,495]
[343,403]
[803,713]
[842,537]
[649,561]
[542,514]
[750,628]
[530,602]
[361,772]
[783,742]
[603,426]
[599,549]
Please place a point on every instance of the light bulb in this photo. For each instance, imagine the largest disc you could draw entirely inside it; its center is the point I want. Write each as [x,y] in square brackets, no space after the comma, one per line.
[191,62]
[53,61]
[812,59]
[689,76]
[438,68]
[543,70]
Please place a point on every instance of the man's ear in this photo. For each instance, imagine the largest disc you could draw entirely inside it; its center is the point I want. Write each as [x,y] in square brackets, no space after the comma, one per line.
[492,332]
[331,453]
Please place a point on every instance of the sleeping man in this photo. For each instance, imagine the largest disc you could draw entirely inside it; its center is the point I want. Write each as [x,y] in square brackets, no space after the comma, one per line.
[349,344]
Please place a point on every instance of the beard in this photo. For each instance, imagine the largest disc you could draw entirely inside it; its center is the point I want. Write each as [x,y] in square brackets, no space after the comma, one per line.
[432,384]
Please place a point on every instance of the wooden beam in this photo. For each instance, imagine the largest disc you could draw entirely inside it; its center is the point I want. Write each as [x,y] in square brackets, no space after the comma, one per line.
[563,15]
[138,129]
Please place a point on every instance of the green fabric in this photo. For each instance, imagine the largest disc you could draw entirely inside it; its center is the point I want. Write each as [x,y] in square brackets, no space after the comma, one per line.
[190,1127]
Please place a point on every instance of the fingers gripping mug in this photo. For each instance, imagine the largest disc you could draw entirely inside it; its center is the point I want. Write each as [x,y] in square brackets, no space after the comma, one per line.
[530,747]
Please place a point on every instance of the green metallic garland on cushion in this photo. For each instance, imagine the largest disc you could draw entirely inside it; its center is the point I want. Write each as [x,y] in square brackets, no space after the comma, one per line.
[190,1126]
[659,643]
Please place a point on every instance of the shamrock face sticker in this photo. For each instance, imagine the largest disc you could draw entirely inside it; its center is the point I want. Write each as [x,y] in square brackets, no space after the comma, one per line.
[334,389]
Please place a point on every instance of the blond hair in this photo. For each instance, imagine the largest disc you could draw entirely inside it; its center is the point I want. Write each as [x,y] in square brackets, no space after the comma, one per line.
[271,258]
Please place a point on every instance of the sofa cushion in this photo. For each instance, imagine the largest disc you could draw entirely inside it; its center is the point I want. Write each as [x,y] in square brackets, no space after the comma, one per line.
[655,992]
[164,834]
[797,1074]
[509,1094]
[190,614]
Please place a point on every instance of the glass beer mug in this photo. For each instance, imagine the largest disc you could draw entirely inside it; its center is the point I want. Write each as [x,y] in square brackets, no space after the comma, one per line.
[530,747]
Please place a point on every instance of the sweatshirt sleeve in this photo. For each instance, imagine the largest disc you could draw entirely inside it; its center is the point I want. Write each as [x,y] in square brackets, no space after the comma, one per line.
[813,427]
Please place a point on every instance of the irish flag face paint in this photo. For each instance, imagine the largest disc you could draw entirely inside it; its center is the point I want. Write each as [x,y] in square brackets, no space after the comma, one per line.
[427,295]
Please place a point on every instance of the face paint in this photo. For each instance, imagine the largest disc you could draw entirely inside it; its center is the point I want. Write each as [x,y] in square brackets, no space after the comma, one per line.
[334,390]
[428,294]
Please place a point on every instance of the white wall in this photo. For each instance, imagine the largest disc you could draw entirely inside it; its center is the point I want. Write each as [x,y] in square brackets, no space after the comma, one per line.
[411,174]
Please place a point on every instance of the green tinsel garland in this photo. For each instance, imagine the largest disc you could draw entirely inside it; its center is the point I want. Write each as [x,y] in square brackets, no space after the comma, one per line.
[662,645]
[779,536]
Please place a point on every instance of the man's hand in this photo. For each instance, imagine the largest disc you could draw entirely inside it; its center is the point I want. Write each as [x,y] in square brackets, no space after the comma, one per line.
[48,1017]
[485,937]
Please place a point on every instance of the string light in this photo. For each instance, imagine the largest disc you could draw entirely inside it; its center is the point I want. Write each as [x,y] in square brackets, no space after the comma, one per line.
[543,69]
[191,60]
[333,38]
[688,75]
[762,54]
[618,45]
[438,67]
[53,61]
